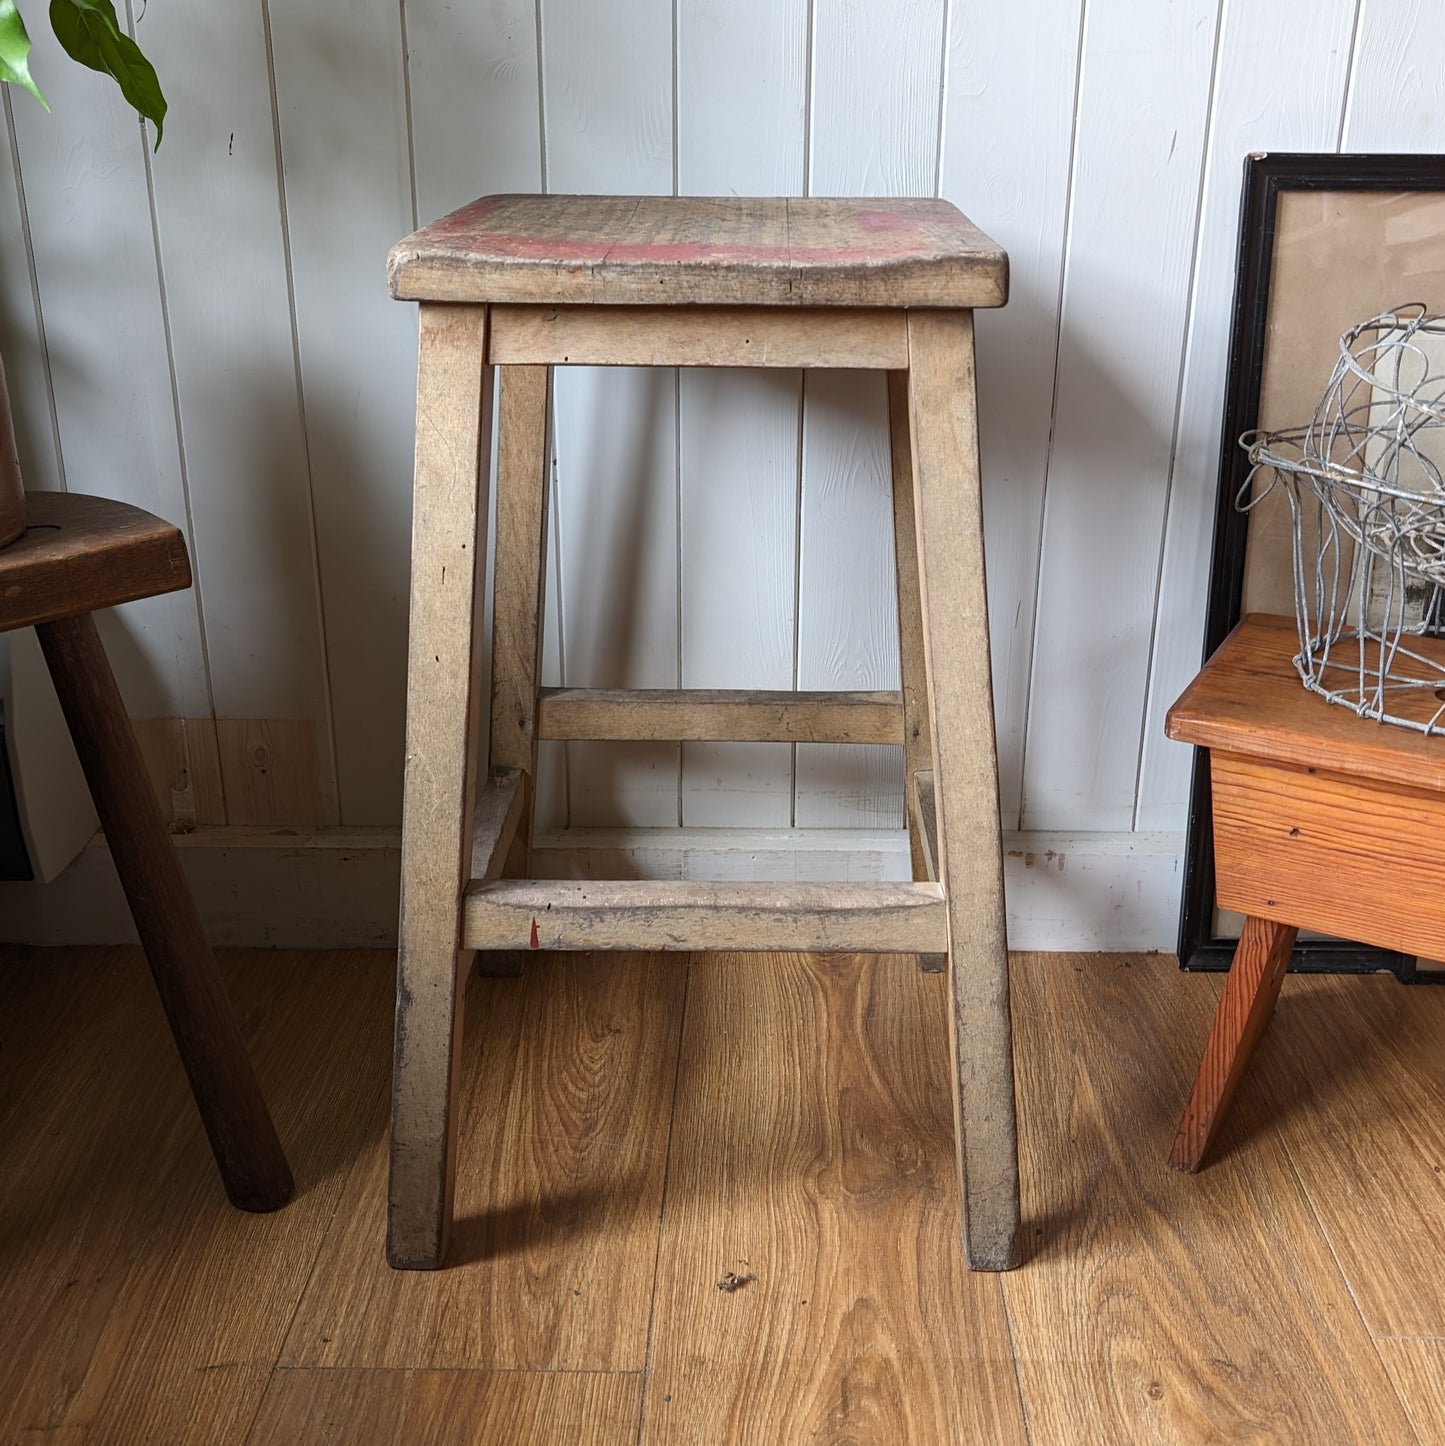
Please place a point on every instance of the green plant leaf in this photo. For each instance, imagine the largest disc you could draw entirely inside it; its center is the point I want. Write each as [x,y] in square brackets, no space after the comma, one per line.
[15,50]
[91,34]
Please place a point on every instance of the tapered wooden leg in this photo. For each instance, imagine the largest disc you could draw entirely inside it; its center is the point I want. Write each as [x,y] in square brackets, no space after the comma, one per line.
[949,526]
[252,1164]
[517,603]
[913,672]
[448,545]
[1255,975]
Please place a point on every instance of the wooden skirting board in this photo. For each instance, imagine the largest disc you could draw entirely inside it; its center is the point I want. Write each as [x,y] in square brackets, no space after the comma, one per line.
[337,888]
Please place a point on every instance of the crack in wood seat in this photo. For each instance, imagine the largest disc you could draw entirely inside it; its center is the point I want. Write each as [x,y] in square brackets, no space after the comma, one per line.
[525,283]
[1321,820]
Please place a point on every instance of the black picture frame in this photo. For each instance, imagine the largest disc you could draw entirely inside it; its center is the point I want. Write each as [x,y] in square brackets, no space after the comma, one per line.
[1266,176]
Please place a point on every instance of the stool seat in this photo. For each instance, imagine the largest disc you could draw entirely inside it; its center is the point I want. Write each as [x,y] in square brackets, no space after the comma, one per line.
[1321,820]
[729,251]
[78,554]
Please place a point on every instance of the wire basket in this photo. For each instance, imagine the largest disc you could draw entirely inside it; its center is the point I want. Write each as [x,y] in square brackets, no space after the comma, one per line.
[1365,485]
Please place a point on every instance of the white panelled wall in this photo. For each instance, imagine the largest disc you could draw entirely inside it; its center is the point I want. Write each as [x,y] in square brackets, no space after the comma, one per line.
[206,331]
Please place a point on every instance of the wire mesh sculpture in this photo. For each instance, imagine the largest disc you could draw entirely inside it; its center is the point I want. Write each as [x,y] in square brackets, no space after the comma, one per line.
[1365,485]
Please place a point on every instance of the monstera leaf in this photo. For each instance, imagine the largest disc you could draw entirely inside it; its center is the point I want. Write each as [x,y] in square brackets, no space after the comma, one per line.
[91,33]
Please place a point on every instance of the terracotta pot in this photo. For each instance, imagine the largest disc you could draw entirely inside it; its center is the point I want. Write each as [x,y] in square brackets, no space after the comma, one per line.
[12,493]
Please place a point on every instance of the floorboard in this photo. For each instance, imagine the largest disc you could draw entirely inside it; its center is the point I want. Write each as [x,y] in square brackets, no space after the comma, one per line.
[812,1157]
[1343,1081]
[567,1089]
[1160,1306]
[163,1309]
[638,1128]
[448,1408]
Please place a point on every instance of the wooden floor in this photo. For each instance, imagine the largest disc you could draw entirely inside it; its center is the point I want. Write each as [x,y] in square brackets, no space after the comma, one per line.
[637,1130]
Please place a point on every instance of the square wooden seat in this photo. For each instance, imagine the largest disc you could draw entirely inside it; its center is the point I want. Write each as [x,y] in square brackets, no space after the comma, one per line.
[1322,820]
[525,283]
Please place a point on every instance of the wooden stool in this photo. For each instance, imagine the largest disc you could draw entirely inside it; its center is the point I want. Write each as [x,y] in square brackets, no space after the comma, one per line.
[77,555]
[529,282]
[1322,820]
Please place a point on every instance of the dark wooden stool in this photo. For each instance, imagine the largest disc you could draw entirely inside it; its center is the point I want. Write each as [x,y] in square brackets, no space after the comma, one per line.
[1322,820]
[79,554]
[526,283]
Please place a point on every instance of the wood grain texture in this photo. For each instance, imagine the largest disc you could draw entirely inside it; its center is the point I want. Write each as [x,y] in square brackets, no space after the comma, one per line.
[448,542]
[1255,976]
[1332,852]
[448,1408]
[271,770]
[722,251]
[948,508]
[877,918]
[1347,1083]
[183,759]
[518,589]
[203,1024]
[812,1149]
[568,1077]
[81,554]
[718,714]
[669,336]
[1170,1330]
[912,660]
[496,817]
[1249,700]
[136,1304]
[1417,1368]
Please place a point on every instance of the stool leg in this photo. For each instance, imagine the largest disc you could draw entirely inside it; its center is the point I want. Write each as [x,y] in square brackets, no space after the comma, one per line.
[448,548]
[913,672]
[517,602]
[949,522]
[1255,976]
[252,1164]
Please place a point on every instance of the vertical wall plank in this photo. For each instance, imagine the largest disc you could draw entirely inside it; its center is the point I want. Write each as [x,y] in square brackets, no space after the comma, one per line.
[1306,98]
[608,121]
[218,211]
[1397,98]
[1008,125]
[1143,102]
[742,82]
[341,100]
[89,206]
[874,131]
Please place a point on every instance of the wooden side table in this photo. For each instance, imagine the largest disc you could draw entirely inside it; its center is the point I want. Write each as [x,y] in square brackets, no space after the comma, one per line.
[525,283]
[1322,820]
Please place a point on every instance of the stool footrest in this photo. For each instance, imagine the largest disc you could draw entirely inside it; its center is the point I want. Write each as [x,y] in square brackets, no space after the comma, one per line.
[719,715]
[645,914]
[925,815]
